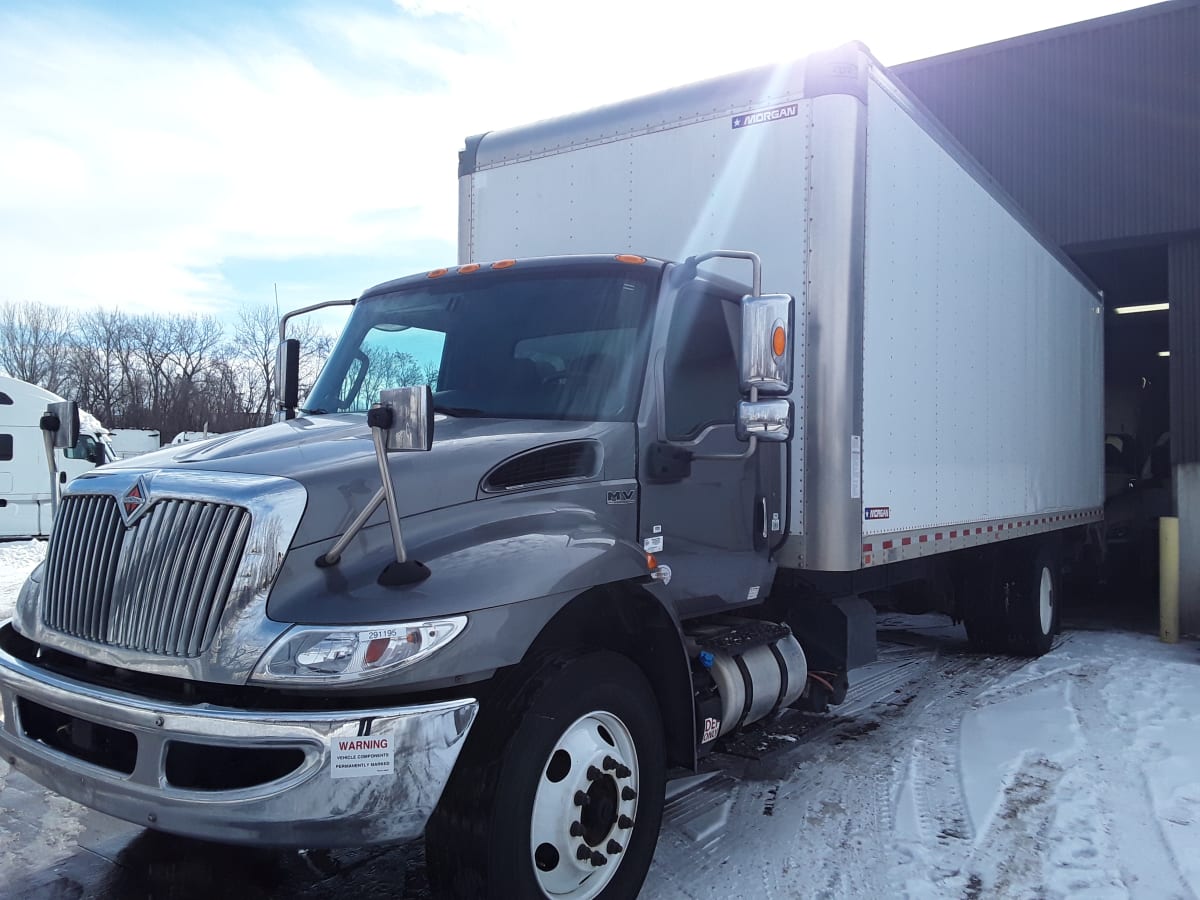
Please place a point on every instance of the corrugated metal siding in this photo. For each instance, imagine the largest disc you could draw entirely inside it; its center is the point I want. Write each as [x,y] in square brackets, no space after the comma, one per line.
[1095,131]
[1183,272]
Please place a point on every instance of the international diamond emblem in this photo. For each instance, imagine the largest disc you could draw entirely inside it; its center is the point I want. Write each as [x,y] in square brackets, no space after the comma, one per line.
[134,502]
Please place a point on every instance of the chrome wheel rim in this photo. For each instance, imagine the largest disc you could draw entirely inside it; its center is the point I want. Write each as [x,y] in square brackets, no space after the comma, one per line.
[585,807]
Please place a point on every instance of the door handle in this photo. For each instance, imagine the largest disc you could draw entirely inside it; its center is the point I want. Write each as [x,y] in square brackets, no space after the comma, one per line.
[764,516]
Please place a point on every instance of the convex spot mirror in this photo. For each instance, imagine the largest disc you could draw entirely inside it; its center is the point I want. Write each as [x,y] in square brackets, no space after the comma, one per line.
[62,421]
[768,420]
[767,353]
[412,417]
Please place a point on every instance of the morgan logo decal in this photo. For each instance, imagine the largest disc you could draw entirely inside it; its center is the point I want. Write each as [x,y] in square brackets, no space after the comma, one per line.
[622,496]
[712,728]
[134,502]
[877,512]
[766,115]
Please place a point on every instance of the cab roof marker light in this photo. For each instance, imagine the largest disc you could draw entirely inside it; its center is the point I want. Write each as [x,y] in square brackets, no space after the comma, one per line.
[504,264]
[1145,307]
[436,273]
[469,268]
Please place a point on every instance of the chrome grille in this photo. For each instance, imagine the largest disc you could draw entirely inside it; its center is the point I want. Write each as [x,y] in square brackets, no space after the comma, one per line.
[159,586]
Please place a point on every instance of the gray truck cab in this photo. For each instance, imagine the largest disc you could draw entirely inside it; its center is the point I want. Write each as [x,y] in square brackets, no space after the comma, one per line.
[217,645]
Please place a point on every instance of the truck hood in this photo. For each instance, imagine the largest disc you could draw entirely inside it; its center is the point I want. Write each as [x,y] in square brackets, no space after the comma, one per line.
[333,456]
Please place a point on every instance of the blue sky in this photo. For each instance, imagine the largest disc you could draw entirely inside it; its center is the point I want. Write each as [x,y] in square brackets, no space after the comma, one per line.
[197,156]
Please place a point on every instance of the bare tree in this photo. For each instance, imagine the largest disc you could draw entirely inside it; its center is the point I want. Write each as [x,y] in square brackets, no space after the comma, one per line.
[35,343]
[104,374]
[173,373]
[255,342]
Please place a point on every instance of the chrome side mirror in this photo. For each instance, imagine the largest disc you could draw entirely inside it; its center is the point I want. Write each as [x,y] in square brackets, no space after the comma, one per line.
[767,356]
[767,420]
[287,377]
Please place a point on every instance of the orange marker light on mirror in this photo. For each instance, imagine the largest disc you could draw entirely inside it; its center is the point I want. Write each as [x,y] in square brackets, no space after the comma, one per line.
[630,258]
[504,264]
[779,340]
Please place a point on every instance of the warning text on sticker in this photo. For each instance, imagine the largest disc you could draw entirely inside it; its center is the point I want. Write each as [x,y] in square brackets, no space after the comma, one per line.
[362,756]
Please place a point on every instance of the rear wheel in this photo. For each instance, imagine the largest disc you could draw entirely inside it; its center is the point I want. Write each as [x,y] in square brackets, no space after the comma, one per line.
[559,791]
[1014,608]
[1032,603]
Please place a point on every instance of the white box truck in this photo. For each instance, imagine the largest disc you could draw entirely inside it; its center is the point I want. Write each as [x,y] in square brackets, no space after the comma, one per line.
[716,368]
[127,442]
[26,506]
[949,391]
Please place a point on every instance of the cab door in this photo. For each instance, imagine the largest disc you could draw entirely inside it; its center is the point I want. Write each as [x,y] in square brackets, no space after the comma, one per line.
[708,512]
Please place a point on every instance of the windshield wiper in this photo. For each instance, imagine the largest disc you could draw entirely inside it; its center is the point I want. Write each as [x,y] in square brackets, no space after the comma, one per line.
[312,412]
[460,412]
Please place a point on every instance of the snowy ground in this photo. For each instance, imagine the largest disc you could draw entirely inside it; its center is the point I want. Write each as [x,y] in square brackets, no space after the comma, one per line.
[946,774]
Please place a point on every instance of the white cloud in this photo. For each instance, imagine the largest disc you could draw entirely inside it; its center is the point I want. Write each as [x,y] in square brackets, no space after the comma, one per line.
[129,165]
[134,162]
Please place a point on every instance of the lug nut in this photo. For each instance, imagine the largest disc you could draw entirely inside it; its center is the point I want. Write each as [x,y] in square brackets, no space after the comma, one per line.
[576,829]
[627,793]
[583,852]
[599,859]
[594,774]
[614,847]
[609,763]
[623,771]
[625,822]
[582,799]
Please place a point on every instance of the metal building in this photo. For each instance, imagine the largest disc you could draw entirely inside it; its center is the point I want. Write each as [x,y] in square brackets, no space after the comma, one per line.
[1094,128]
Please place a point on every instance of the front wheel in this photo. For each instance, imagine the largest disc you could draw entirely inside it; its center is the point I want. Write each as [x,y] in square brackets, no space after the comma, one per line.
[559,791]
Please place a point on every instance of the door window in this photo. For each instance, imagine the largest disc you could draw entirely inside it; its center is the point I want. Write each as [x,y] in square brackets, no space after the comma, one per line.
[701,366]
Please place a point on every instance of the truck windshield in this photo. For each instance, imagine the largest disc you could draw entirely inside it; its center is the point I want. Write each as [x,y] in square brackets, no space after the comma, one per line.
[561,343]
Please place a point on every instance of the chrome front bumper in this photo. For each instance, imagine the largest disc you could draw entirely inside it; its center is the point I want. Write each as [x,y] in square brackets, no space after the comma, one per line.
[306,807]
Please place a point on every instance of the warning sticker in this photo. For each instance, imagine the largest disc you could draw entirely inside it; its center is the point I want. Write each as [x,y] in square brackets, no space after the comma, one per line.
[855,466]
[653,544]
[361,756]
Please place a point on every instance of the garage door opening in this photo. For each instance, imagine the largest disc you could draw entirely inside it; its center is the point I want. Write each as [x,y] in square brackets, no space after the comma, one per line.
[1137,450]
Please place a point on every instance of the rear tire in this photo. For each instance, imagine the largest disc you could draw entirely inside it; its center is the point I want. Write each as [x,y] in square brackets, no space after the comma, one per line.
[568,758]
[1032,602]
[1015,607]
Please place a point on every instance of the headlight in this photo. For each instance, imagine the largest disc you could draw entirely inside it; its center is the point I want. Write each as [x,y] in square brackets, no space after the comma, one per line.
[321,654]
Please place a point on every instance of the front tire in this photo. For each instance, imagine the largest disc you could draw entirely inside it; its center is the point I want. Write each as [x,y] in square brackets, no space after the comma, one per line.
[559,791]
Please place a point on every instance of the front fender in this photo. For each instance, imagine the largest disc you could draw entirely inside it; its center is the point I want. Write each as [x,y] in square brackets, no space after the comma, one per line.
[481,555]
[510,573]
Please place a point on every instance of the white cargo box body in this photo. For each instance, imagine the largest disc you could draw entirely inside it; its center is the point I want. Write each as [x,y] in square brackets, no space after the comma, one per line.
[949,392]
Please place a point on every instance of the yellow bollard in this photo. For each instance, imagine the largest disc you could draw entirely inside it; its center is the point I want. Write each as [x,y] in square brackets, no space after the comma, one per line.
[1168,580]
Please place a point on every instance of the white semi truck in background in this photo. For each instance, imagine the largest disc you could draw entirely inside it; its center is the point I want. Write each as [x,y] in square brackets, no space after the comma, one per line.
[717,367]
[26,504]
